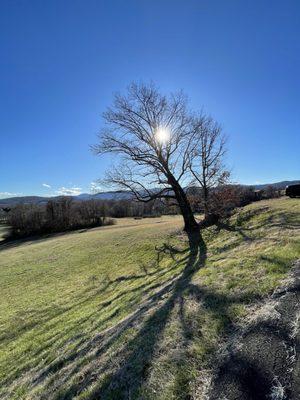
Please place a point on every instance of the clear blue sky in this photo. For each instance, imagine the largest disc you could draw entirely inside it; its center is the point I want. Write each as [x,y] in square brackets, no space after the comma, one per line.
[61,61]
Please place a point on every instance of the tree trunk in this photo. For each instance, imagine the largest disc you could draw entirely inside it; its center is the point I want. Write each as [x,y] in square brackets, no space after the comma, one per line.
[205,203]
[190,224]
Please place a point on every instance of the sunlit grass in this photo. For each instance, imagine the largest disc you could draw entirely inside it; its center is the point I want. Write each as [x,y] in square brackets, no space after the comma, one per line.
[58,294]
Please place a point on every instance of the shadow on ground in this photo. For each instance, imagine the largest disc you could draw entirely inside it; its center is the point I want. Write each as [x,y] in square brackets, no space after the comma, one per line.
[90,368]
[265,364]
[125,380]
[246,375]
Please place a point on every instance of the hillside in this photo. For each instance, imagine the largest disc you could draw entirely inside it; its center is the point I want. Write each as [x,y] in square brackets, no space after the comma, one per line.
[130,311]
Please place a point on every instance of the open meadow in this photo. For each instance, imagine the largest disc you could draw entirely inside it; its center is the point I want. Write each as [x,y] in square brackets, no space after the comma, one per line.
[131,310]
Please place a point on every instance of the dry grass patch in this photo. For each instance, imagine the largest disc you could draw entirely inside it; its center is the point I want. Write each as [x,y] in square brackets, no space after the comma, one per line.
[129,311]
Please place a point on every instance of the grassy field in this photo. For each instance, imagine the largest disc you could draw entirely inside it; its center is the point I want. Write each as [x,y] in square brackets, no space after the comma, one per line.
[130,311]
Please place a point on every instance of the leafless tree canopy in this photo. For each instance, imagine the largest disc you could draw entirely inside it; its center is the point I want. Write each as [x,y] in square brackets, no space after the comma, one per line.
[147,162]
[158,140]
[206,161]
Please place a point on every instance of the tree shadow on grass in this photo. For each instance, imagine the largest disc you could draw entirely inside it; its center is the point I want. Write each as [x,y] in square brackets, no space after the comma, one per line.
[135,359]
[156,279]
[233,228]
[159,285]
[282,219]
[126,380]
[81,369]
[36,317]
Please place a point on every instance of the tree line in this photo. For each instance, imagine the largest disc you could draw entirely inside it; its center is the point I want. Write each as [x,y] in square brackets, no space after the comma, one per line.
[56,216]
[65,214]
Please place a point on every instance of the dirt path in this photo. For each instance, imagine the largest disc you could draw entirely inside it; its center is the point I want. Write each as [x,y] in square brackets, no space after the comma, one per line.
[264,362]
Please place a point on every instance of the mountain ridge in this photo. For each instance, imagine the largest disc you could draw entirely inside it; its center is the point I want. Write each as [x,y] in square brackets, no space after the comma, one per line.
[115,195]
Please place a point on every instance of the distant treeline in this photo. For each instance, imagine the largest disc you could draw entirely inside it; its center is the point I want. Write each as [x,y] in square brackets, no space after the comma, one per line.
[66,214]
[56,216]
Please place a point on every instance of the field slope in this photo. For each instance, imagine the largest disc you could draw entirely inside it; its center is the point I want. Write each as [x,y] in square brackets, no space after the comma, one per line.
[131,311]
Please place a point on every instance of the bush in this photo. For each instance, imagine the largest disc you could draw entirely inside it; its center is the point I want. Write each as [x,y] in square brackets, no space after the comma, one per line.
[224,199]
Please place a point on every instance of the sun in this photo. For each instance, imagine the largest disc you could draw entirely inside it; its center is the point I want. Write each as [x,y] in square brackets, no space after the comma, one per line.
[162,135]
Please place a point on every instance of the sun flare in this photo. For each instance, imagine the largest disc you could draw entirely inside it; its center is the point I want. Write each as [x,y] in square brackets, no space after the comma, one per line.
[162,135]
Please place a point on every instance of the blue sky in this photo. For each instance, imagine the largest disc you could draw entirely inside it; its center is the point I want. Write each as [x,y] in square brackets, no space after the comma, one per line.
[61,61]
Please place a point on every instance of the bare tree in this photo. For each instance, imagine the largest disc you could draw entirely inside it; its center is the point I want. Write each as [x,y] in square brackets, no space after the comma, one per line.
[154,135]
[206,159]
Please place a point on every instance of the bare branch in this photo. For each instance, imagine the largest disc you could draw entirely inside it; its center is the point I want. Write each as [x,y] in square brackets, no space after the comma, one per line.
[156,166]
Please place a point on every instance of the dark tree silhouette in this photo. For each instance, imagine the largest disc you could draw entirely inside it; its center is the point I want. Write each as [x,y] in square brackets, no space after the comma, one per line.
[155,135]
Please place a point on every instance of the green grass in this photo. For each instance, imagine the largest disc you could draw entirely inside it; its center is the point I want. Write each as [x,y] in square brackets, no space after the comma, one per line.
[111,313]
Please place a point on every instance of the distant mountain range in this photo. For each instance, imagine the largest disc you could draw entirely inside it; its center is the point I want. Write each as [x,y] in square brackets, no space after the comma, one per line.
[113,195]
[277,185]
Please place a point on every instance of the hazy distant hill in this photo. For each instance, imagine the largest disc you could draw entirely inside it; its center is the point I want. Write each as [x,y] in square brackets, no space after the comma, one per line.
[111,195]
[116,195]
[278,185]
[11,201]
